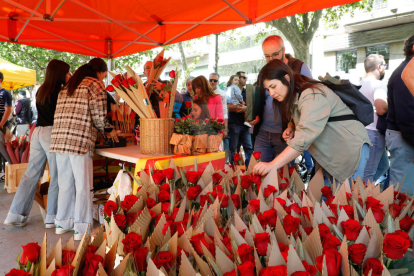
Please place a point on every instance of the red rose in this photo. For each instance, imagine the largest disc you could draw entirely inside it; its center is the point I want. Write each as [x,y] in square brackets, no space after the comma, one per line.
[351,229]
[246,181]
[128,202]
[395,246]
[326,191]
[179,253]
[165,207]
[181,227]
[150,203]
[331,241]
[370,202]
[328,202]
[236,200]
[188,104]
[308,230]
[279,270]
[164,196]
[378,213]
[172,74]
[92,249]
[357,253]
[300,273]
[110,88]
[165,187]
[269,190]
[227,244]
[349,210]
[140,257]
[177,195]
[262,241]
[323,230]
[256,179]
[193,192]
[216,178]
[120,221]
[64,271]
[281,201]
[110,208]
[245,252]
[333,220]
[15,272]
[68,256]
[205,199]
[305,211]
[309,268]
[404,235]
[131,242]
[115,83]
[235,180]
[236,157]
[218,189]
[192,177]
[177,120]
[131,81]
[169,173]
[31,252]
[158,178]
[256,155]
[395,210]
[254,206]
[290,224]
[118,77]
[91,264]
[131,218]
[246,269]
[271,217]
[295,207]
[283,184]
[224,200]
[333,262]
[196,241]
[402,198]
[125,84]
[373,265]
[164,258]
[406,222]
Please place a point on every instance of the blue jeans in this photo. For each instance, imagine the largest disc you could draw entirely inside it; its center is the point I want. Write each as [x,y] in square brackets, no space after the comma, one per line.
[378,163]
[226,146]
[240,133]
[361,166]
[308,160]
[23,200]
[402,160]
[75,192]
[269,144]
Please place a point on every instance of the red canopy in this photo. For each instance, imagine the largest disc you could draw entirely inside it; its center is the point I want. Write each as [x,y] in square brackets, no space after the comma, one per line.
[115,28]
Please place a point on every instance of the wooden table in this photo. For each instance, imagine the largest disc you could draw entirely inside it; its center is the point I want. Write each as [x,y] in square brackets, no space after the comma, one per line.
[130,154]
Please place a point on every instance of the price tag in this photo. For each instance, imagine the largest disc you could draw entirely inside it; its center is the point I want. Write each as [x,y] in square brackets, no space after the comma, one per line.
[145,102]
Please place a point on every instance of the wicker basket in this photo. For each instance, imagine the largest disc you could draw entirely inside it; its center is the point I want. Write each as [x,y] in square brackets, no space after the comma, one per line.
[155,135]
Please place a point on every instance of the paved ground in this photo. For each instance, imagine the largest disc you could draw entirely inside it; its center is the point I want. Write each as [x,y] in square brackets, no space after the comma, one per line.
[11,238]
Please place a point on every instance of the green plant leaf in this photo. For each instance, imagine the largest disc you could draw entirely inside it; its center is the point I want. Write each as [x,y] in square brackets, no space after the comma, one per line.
[403,263]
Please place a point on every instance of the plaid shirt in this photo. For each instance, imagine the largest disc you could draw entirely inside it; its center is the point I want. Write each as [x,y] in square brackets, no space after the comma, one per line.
[78,118]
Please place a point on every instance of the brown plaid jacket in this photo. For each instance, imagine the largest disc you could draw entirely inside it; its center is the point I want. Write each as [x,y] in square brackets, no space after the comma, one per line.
[78,118]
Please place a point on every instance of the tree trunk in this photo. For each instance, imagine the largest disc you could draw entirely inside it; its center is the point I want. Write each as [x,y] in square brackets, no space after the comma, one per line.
[183,59]
[216,59]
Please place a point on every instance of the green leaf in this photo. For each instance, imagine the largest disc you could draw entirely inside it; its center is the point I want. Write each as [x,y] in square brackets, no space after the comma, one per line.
[403,263]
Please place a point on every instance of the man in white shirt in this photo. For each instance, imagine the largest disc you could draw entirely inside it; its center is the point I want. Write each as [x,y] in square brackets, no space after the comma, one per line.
[214,80]
[375,91]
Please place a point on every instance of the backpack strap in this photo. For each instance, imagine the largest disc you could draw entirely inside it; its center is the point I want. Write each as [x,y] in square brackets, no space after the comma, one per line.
[343,118]
[294,63]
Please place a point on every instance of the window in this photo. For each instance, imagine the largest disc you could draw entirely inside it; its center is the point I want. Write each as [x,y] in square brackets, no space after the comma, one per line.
[346,60]
[379,5]
[383,50]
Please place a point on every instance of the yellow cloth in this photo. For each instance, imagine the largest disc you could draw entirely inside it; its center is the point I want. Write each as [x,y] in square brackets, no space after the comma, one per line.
[181,162]
[16,76]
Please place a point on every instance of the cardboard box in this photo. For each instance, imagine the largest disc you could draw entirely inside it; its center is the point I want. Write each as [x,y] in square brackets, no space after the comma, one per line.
[14,173]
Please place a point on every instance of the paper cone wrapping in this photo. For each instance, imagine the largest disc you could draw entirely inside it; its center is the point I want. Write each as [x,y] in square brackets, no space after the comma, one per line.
[208,215]
[373,249]
[102,250]
[363,237]
[200,144]
[316,184]
[120,248]
[342,217]
[138,206]
[157,209]
[281,235]
[252,163]
[50,269]
[371,222]
[56,255]
[186,268]
[157,236]
[275,257]
[294,263]
[143,222]
[43,258]
[286,172]
[214,142]
[299,185]
[404,212]
[81,252]
[343,250]
[320,217]
[110,258]
[101,271]
[313,244]
[99,237]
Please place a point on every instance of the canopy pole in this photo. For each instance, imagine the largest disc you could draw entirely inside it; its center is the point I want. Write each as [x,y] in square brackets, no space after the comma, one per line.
[57,8]
[27,21]
[135,40]
[23,7]
[275,10]
[248,20]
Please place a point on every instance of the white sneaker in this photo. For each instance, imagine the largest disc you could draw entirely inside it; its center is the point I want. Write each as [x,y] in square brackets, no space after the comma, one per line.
[49,225]
[77,236]
[59,230]
[18,224]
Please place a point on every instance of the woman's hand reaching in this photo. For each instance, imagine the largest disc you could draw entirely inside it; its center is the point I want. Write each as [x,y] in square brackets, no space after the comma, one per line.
[262,168]
[289,133]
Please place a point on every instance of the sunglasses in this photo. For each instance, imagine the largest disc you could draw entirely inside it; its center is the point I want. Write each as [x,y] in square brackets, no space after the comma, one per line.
[211,80]
[243,77]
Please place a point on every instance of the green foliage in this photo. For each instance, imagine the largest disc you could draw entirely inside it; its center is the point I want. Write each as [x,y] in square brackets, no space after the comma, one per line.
[332,15]
[404,263]
[198,127]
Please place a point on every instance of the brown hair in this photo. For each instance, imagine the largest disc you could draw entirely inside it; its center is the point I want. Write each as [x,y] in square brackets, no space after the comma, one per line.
[231,79]
[277,69]
[205,113]
[55,79]
[202,83]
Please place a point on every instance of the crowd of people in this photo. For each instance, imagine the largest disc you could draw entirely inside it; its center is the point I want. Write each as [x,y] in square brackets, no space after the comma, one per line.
[297,115]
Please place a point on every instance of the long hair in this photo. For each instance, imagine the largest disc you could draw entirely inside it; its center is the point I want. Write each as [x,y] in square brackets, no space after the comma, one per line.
[277,69]
[231,79]
[205,113]
[82,72]
[55,78]
[99,65]
[202,83]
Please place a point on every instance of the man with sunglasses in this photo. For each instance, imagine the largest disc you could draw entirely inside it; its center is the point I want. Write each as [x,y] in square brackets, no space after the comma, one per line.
[268,132]
[214,79]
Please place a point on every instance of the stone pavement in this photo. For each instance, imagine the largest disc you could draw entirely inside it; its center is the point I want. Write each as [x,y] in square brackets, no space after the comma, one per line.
[12,238]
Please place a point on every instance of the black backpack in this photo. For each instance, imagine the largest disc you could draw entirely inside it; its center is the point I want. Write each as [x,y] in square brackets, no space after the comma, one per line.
[353,98]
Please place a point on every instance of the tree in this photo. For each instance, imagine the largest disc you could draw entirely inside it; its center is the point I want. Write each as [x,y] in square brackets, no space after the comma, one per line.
[300,29]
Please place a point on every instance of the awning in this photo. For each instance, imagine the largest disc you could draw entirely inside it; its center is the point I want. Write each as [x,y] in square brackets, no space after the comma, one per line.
[16,76]
[115,28]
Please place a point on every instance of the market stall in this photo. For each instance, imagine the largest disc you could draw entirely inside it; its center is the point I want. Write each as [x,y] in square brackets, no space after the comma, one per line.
[16,76]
